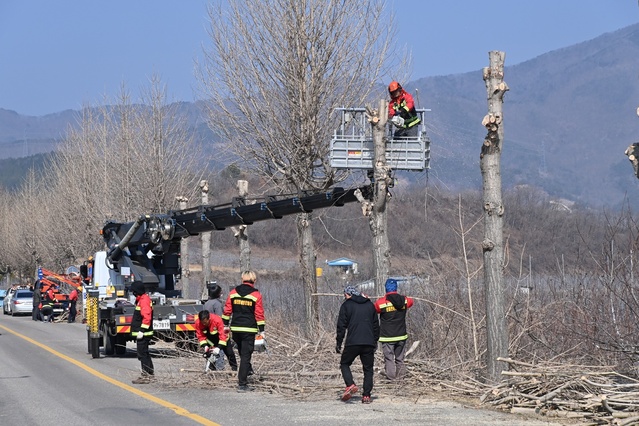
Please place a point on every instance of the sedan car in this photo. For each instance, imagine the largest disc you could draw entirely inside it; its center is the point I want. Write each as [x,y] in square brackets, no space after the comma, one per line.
[21,302]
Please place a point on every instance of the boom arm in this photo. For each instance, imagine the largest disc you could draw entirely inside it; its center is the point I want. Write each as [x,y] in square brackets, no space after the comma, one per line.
[149,246]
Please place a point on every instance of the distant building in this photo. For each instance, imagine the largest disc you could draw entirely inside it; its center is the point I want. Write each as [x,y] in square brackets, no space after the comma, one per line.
[344,265]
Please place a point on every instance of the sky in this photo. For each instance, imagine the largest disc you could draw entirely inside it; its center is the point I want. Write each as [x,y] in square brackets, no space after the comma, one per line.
[63,54]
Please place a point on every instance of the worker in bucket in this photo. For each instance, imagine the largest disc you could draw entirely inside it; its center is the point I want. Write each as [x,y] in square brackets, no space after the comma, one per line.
[244,312]
[142,330]
[401,111]
[210,334]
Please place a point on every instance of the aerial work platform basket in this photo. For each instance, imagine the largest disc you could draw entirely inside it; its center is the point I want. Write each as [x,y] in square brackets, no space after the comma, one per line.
[352,144]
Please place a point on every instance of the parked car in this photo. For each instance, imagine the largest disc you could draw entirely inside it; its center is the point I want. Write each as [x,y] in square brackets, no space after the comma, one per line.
[21,302]
[3,293]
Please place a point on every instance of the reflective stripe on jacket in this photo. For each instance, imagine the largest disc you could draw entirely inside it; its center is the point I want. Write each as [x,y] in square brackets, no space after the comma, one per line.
[244,309]
[143,315]
[404,106]
[392,310]
[213,335]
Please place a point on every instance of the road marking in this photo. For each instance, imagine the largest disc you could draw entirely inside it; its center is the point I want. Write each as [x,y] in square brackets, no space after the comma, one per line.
[177,409]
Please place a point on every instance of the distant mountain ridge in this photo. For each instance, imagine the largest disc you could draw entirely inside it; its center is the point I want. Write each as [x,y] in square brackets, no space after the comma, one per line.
[568,117]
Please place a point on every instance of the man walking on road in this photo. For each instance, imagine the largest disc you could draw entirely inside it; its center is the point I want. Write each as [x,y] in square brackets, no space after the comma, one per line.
[245,313]
[357,320]
[393,335]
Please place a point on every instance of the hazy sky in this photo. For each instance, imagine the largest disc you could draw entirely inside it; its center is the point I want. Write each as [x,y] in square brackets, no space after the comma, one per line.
[59,54]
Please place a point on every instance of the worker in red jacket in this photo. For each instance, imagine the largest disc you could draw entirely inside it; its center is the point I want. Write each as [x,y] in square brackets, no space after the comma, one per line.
[401,111]
[244,312]
[142,330]
[209,330]
[73,300]
[392,310]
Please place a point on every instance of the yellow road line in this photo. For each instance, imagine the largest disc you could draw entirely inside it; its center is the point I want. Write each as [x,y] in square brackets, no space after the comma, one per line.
[177,409]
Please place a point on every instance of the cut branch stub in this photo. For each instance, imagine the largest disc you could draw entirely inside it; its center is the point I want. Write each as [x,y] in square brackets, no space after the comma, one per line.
[487,245]
[490,120]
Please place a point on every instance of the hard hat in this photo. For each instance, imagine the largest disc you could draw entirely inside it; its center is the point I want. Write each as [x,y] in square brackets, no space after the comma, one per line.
[90,258]
[393,86]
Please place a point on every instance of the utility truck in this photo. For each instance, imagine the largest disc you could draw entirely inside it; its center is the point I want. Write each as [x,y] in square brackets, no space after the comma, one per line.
[147,250]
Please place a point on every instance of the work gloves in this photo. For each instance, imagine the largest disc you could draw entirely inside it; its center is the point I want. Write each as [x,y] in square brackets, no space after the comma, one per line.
[263,334]
[208,352]
[397,121]
[338,349]
[140,335]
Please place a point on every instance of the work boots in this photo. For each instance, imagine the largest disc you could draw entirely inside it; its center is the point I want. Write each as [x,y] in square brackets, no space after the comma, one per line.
[144,379]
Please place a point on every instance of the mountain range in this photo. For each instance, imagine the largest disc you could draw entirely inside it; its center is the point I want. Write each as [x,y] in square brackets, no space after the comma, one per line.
[568,117]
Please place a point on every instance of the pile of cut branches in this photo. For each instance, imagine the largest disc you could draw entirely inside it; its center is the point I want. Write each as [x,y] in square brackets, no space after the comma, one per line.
[594,394]
[299,368]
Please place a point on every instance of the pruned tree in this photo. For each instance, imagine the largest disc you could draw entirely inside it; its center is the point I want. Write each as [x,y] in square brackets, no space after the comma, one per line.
[274,73]
[378,218]
[241,232]
[492,245]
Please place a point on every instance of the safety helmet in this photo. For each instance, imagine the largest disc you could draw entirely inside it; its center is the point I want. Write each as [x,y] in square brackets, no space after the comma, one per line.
[90,258]
[393,86]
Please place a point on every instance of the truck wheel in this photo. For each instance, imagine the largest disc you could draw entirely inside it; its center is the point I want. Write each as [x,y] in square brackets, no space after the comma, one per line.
[120,344]
[94,347]
[109,340]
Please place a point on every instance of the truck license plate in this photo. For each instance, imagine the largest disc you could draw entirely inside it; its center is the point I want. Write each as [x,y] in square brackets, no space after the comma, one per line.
[162,324]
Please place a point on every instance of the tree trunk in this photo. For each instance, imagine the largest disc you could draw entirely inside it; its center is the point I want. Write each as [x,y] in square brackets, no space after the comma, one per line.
[379,216]
[206,243]
[241,233]
[307,264]
[184,255]
[492,246]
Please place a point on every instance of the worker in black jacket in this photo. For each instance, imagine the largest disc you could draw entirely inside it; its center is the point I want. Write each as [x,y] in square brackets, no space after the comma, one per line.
[357,320]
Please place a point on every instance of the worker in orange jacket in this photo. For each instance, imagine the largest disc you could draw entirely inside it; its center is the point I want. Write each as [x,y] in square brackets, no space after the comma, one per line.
[209,331]
[402,112]
[392,309]
[244,305]
[73,300]
[142,330]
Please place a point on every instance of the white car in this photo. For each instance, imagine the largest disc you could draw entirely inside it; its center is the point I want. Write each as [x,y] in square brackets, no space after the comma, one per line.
[21,302]
[6,306]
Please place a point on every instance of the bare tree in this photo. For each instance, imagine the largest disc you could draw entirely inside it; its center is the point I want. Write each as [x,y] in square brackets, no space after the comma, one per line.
[490,164]
[274,73]
[119,162]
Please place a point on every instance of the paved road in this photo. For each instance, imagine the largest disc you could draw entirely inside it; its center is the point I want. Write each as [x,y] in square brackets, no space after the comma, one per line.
[47,376]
